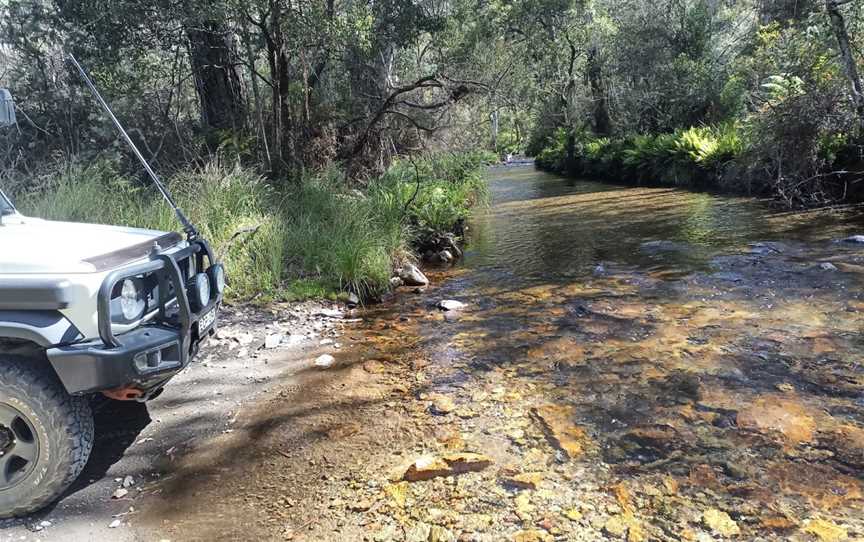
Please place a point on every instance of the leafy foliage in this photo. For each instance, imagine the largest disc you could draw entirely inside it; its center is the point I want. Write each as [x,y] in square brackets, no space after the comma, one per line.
[311,239]
[756,97]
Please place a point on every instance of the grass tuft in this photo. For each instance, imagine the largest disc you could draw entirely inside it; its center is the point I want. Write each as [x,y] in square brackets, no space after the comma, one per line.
[314,238]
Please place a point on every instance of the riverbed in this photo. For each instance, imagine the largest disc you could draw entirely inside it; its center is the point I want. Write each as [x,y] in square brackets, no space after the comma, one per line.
[631,364]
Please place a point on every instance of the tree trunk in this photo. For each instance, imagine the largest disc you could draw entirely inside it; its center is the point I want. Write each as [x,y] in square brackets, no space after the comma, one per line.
[846,56]
[216,79]
[260,130]
[602,122]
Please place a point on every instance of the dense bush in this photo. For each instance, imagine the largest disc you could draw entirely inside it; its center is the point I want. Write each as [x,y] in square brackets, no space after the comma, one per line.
[314,238]
[691,157]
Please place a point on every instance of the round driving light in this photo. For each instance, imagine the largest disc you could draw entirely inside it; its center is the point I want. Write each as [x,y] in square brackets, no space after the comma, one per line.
[131,303]
[200,290]
[217,277]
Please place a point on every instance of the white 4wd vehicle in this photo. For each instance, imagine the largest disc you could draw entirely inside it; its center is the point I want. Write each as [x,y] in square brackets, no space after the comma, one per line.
[87,309]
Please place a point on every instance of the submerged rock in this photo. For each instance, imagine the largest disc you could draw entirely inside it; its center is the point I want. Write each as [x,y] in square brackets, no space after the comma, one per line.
[662,246]
[444,256]
[412,276]
[859,239]
[826,531]
[525,480]
[720,523]
[532,535]
[441,405]
[766,248]
[556,422]
[772,414]
[273,340]
[430,466]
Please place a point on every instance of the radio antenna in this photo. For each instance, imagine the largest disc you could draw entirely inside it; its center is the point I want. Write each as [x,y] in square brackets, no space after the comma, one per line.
[188,228]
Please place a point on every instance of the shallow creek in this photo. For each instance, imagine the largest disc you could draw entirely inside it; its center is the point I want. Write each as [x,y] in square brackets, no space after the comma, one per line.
[686,344]
[632,363]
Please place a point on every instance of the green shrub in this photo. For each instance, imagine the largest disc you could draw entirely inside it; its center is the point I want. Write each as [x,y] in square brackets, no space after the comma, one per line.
[309,239]
[552,157]
[695,156]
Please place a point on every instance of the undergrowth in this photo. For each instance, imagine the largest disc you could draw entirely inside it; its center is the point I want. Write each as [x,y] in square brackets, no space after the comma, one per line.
[693,157]
[314,238]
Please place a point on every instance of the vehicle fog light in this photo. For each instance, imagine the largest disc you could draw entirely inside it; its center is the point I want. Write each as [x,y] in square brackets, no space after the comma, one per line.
[131,303]
[217,277]
[200,290]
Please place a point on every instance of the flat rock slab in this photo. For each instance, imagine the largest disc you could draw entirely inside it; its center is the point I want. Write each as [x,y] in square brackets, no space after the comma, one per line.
[556,422]
[431,466]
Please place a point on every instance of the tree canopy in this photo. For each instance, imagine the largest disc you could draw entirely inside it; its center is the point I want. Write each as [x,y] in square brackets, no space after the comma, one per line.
[299,85]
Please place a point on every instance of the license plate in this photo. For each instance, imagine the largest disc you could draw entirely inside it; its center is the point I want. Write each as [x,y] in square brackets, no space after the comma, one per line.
[206,320]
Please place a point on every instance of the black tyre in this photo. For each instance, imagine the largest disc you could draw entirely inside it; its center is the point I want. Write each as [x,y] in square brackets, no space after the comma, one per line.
[45,436]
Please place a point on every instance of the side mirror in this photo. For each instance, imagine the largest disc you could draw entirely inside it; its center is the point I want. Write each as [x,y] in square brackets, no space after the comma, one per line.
[7,108]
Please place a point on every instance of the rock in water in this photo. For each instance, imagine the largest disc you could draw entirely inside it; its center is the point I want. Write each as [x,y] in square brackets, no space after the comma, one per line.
[120,493]
[827,266]
[531,535]
[826,531]
[324,361]
[412,276]
[426,468]
[441,405]
[854,239]
[430,466]
[557,424]
[450,305]
[720,523]
[273,340]
[784,416]
[525,480]
[418,533]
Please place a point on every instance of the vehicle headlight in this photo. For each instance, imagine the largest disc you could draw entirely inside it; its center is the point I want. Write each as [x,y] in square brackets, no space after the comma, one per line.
[200,290]
[132,303]
[217,277]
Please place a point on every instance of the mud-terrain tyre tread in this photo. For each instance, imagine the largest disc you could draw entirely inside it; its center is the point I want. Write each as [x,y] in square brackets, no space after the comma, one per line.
[66,422]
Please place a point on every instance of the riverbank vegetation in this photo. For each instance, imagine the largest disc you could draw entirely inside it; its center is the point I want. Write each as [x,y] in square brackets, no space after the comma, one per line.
[317,144]
[315,238]
[757,97]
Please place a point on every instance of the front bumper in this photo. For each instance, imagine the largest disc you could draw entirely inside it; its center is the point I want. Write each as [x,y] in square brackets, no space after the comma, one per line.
[146,357]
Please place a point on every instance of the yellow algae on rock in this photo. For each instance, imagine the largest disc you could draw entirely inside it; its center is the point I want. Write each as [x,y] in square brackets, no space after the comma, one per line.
[398,492]
[782,415]
[573,514]
[556,422]
[825,531]
[429,466]
[532,535]
[720,523]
